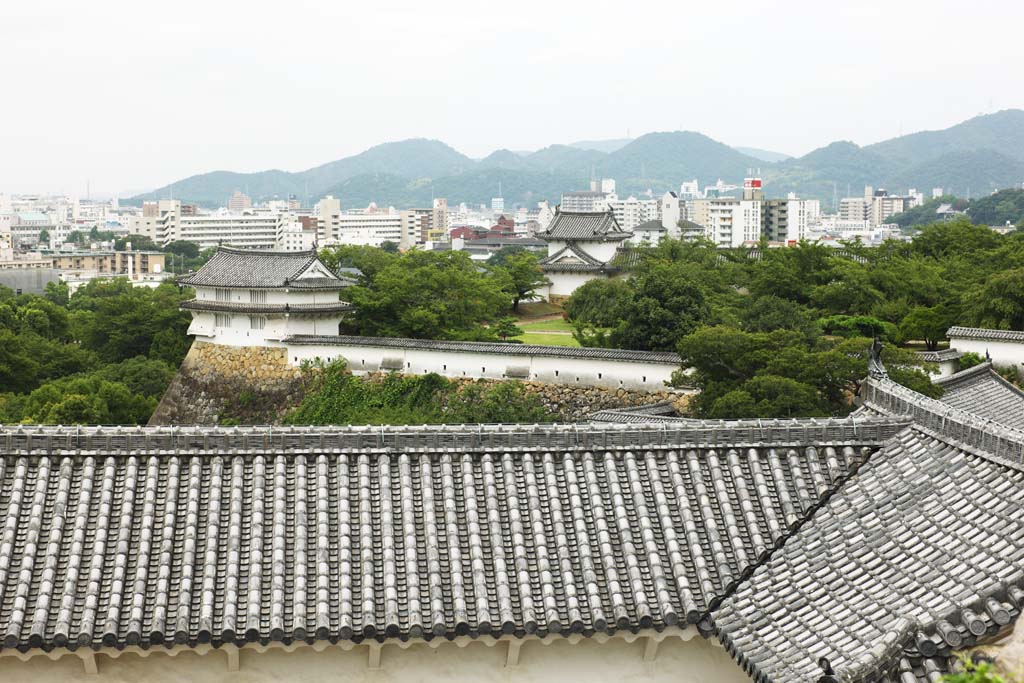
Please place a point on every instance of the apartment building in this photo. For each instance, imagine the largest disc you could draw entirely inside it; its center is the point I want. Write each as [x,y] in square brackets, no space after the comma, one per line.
[165,221]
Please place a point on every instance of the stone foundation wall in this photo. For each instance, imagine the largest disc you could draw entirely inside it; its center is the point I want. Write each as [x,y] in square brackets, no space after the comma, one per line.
[256,385]
[252,384]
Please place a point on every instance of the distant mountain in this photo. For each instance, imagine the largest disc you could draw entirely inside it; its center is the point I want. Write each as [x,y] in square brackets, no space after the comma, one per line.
[662,160]
[606,146]
[1003,131]
[975,156]
[763,154]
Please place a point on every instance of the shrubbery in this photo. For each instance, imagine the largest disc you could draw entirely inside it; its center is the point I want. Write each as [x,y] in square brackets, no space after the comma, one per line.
[339,397]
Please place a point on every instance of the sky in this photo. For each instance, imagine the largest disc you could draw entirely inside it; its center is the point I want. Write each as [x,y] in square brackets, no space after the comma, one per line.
[119,97]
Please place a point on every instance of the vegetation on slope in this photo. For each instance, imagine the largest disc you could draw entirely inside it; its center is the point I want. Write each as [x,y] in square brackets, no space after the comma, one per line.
[102,356]
[783,332]
[339,397]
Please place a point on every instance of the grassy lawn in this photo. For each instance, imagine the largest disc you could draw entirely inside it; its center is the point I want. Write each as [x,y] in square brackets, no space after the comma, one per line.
[546,326]
[548,339]
[534,309]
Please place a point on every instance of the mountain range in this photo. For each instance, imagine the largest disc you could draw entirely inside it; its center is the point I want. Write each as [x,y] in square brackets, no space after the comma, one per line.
[971,158]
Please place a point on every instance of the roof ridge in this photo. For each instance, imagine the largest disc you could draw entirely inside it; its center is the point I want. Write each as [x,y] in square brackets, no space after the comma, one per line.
[714,434]
[983,437]
[962,375]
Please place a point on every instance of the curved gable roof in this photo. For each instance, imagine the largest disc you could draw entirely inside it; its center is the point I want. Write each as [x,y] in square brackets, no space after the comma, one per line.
[232,267]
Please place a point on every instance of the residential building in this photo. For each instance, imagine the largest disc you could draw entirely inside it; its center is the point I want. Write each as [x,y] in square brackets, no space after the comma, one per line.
[689,190]
[631,212]
[497,205]
[328,213]
[789,220]
[368,229]
[297,235]
[415,227]
[581,247]
[239,202]
[252,230]
[670,211]
[648,234]
[587,201]
[439,220]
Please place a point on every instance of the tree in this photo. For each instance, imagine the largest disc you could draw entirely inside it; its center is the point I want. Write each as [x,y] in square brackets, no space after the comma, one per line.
[524,275]
[668,303]
[138,242]
[57,292]
[928,324]
[597,307]
[999,304]
[183,248]
[44,237]
[368,260]
[428,295]
[506,328]
[389,247]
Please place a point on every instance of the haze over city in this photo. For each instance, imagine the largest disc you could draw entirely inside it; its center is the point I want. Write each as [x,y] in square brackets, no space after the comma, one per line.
[123,97]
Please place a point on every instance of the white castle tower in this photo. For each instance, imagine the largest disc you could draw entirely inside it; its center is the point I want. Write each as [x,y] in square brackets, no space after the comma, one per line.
[258,298]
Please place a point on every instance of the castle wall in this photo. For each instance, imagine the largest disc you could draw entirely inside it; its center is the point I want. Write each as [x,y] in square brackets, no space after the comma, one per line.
[1003,353]
[258,385]
[636,375]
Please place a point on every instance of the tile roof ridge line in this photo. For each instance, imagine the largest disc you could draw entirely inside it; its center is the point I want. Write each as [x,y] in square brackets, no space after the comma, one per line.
[961,375]
[994,441]
[706,625]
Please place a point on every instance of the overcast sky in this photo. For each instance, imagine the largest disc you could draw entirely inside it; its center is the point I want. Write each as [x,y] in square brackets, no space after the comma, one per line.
[134,95]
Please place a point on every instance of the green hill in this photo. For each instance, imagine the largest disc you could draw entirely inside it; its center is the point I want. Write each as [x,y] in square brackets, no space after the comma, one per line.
[976,156]
[1003,130]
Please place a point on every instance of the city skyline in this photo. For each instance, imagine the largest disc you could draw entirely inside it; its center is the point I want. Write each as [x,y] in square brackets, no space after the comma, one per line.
[214,88]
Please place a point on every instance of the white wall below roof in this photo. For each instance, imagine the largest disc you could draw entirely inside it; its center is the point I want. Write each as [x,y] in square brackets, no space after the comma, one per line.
[1002,352]
[613,661]
[241,333]
[610,374]
[564,284]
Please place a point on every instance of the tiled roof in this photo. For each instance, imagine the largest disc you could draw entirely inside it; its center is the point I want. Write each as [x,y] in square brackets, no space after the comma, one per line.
[571,258]
[980,390]
[584,227]
[242,307]
[940,355]
[155,537]
[503,349]
[985,334]
[650,226]
[918,555]
[231,267]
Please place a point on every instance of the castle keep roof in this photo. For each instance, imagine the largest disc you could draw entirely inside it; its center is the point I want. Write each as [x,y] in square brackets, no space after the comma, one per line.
[584,227]
[251,268]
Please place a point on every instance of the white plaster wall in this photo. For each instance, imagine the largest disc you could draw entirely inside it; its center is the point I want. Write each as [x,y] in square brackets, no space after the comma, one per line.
[615,661]
[564,284]
[240,332]
[274,296]
[610,374]
[1002,352]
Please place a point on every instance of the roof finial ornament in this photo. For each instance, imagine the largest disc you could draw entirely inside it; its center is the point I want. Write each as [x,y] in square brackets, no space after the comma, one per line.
[988,356]
[875,367]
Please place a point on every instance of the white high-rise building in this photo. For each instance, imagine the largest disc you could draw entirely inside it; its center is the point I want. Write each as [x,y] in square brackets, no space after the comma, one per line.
[498,205]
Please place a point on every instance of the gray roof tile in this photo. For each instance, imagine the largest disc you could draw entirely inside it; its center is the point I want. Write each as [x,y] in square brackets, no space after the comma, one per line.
[958,332]
[232,267]
[980,390]
[924,541]
[584,227]
[115,537]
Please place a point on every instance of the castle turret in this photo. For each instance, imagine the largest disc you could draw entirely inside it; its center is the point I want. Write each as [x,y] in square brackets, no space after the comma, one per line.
[257,298]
